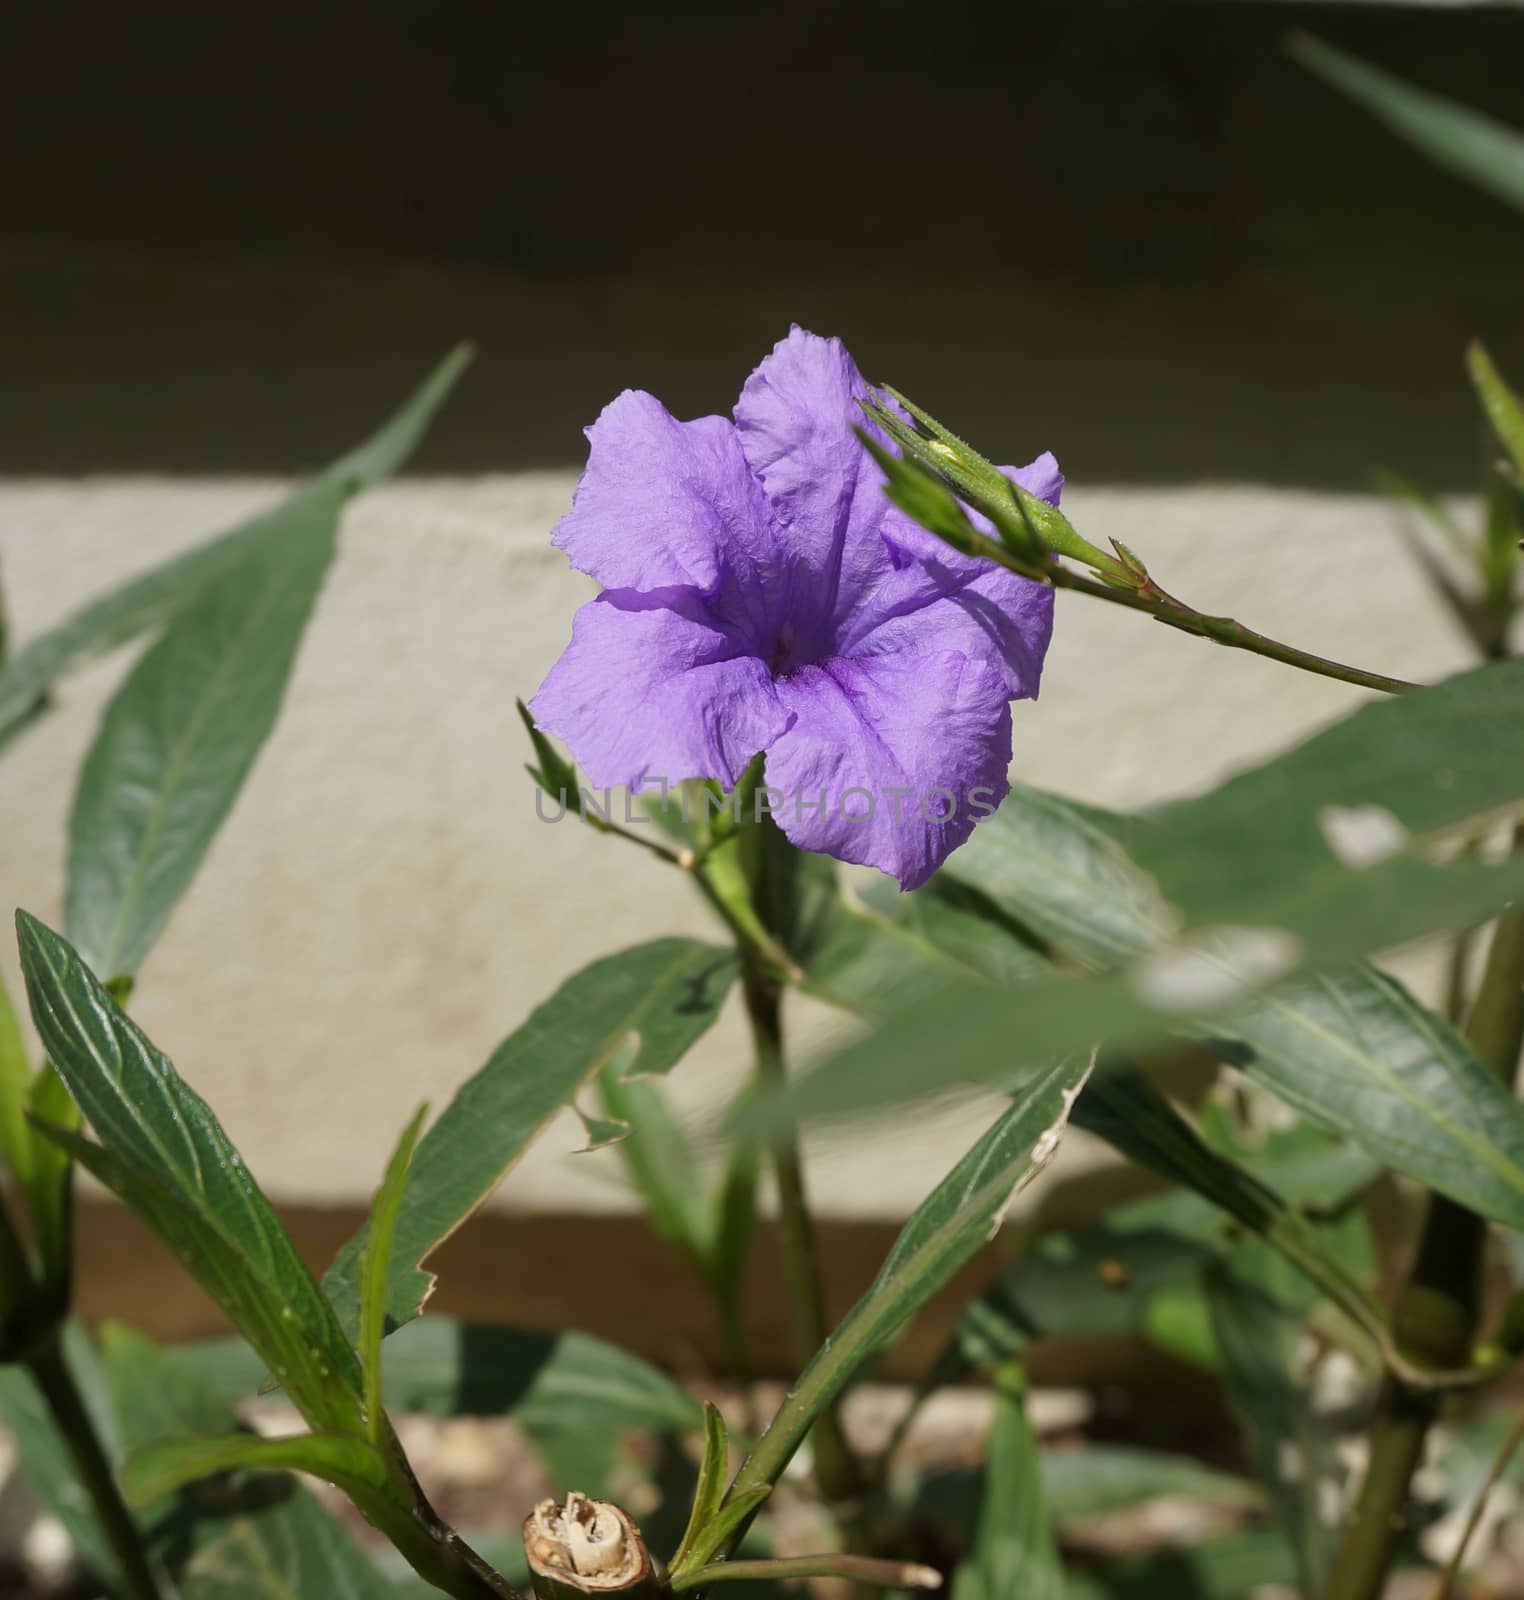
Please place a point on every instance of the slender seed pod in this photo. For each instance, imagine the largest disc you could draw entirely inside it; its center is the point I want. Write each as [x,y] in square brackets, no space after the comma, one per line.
[588,1547]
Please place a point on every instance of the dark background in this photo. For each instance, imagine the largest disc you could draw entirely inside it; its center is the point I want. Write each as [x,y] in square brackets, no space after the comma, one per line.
[232,233]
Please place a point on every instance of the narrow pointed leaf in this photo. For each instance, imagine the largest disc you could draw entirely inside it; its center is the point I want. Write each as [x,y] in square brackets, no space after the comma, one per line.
[724,1522]
[168,1157]
[180,735]
[15,1087]
[1292,1450]
[150,599]
[1468,143]
[667,993]
[1014,1551]
[960,1215]
[1498,400]
[375,1272]
[708,1494]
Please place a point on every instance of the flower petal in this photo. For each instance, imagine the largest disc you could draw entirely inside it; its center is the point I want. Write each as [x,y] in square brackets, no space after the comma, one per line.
[891,744]
[924,595]
[652,686]
[995,617]
[664,503]
[796,417]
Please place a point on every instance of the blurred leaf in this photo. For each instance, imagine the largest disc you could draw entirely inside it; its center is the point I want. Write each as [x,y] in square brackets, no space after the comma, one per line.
[1468,143]
[16,1137]
[155,1470]
[180,735]
[961,1214]
[1292,1450]
[865,946]
[1056,867]
[1355,1051]
[1126,1109]
[166,1155]
[659,1162]
[253,1535]
[50,1191]
[1498,400]
[47,1467]
[287,1548]
[1438,759]
[446,1368]
[1107,1277]
[375,1274]
[667,993]
[1094,1478]
[1014,1552]
[150,599]
[1253,855]
[1226,1569]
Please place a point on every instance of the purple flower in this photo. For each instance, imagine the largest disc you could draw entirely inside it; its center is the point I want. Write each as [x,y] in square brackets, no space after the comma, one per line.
[761,593]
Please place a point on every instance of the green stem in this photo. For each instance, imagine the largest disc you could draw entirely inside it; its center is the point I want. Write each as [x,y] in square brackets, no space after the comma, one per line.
[858,1569]
[1437,1311]
[51,1373]
[835,1467]
[1506,1453]
[1220,630]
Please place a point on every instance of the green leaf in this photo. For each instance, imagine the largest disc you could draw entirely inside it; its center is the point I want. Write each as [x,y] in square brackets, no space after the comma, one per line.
[1096,1478]
[444,1368]
[709,1493]
[1468,143]
[1055,866]
[50,1191]
[1014,1552]
[863,947]
[375,1274]
[248,1537]
[659,1162]
[15,1089]
[180,735]
[47,1467]
[667,993]
[168,1157]
[1126,1109]
[155,1470]
[1329,1044]
[1439,760]
[1292,1451]
[1355,1050]
[1498,400]
[726,1519]
[946,1230]
[1226,1569]
[1357,1053]
[150,599]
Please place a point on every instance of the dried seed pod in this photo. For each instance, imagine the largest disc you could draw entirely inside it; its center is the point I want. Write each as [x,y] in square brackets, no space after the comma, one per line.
[587,1547]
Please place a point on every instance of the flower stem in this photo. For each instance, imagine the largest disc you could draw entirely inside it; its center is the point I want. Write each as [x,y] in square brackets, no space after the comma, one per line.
[1220,630]
[859,1569]
[835,1467]
[52,1375]
[1437,1310]
[1506,1452]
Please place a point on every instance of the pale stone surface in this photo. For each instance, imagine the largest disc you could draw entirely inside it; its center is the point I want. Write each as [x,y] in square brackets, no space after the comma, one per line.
[383,904]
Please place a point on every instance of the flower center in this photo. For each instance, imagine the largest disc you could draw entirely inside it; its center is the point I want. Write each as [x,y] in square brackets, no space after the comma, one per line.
[783,660]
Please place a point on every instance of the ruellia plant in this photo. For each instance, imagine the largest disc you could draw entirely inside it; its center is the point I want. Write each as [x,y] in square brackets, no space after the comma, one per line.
[815,618]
